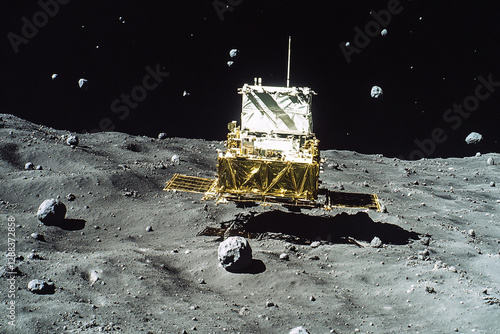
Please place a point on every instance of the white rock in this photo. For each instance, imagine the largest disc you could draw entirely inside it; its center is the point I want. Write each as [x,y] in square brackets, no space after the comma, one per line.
[54,76]
[29,166]
[490,161]
[176,160]
[234,53]
[235,253]
[383,32]
[376,242]
[376,92]
[41,287]
[299,330]
[162,135]
[315,244]
[473,138]
[72,140]
[83,83]
[230,63]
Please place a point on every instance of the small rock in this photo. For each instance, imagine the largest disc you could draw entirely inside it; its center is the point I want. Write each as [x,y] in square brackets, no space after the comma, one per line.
[37,236]
[29,166]
[39,167]
[51,211]
[230,63]
[54,76]
[149,228]
[70,197]
[473,138]
[162,135]
[490,161]
[175,159]
[376,242]
[425,241]
[299,330]
[41,287]
[478,154]
[492,184]
[234,53]
[83,84]
[269,303]
[34,256]
[376,92]
[430,289]
[315,244]
[201,281]
[383,32]
[235,253]
[312,298]
[472,233]
[284,257]
[72,140]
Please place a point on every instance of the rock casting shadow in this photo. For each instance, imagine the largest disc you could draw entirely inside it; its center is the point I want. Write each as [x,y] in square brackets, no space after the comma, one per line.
[256,267]
[336,229]
[71,224]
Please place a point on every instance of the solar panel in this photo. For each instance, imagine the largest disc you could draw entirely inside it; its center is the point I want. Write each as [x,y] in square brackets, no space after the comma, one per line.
[191,184]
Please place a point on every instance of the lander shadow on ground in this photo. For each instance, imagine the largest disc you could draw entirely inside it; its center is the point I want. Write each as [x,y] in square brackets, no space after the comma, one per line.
[303,229]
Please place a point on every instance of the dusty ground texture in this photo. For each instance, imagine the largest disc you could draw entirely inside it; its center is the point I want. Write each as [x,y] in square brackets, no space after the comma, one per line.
[111,273]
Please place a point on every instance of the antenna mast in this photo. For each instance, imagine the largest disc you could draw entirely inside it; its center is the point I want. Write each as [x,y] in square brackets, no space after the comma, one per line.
[288,70]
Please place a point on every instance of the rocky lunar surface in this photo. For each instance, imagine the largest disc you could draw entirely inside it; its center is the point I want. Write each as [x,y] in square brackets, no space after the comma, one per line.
[131,258]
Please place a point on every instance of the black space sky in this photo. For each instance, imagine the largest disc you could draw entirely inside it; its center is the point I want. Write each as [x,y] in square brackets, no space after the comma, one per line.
[429,60]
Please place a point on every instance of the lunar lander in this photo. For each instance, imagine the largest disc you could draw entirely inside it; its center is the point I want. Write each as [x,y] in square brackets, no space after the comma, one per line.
[273,156]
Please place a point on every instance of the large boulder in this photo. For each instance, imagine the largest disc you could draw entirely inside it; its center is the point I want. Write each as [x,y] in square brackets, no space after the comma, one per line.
[51,211]
[235,253]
